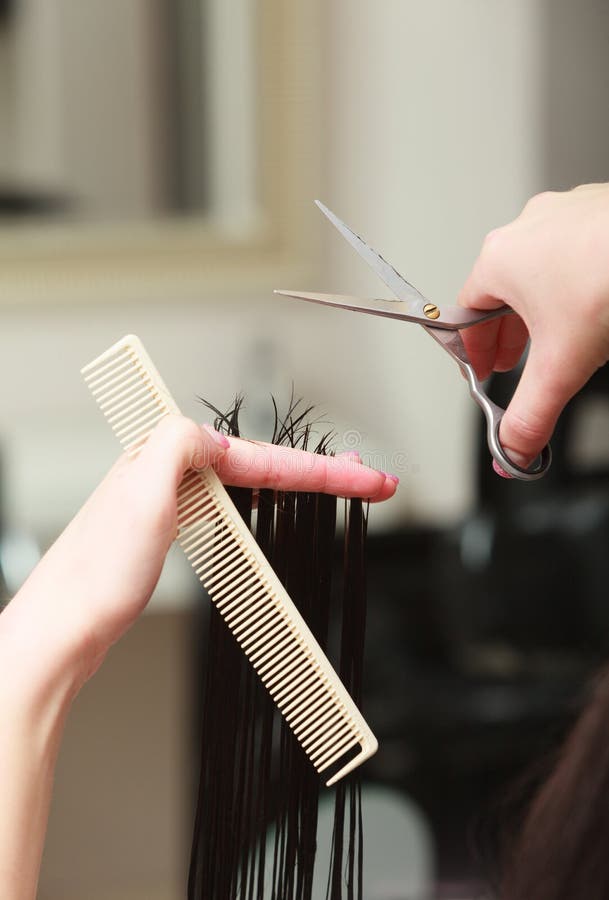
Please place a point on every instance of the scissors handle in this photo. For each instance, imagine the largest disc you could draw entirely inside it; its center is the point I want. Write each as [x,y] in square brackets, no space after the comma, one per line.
[453,344]
[494,415]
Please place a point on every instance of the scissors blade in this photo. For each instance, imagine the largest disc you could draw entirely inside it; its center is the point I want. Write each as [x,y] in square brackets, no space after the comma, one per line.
[400,287]
[392,309]
[451,318]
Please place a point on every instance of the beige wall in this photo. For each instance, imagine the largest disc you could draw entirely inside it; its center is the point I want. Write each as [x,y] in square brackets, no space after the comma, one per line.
[121,818]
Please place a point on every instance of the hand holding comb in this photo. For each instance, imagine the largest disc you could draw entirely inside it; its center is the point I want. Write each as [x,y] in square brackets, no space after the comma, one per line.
[237,577]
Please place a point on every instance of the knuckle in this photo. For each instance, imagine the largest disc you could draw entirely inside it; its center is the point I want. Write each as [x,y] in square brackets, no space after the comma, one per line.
[178,432]
[177,427]
[177,443]
[491,239]
[496,239]
[529,429]
[323,480]
[537,201]
[494,251]
[265,474]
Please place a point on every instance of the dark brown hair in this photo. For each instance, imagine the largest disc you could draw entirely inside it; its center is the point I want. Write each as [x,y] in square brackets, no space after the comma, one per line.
[562,850]
[255,778]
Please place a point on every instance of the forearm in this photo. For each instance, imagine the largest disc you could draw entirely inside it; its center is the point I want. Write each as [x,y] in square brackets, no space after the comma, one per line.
[34,701]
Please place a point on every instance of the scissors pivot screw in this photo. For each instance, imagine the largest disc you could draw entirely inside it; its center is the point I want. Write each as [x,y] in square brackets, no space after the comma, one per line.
[431,311]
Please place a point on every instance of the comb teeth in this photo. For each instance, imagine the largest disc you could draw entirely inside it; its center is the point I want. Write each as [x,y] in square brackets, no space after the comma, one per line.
[235,574]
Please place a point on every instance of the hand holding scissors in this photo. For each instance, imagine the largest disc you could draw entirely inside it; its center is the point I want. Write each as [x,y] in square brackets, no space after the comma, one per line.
[443,325]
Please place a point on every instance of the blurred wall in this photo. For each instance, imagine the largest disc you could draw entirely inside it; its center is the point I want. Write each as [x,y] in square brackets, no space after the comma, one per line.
[576,86]
[435,136]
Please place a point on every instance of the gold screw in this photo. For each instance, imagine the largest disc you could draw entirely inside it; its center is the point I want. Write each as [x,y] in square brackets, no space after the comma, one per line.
[431,311]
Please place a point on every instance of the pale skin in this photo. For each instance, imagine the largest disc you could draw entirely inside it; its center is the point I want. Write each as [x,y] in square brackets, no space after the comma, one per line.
[551,265]
[91,586]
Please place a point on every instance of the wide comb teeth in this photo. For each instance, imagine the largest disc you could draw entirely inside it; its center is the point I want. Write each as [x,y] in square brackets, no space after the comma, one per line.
[235,574]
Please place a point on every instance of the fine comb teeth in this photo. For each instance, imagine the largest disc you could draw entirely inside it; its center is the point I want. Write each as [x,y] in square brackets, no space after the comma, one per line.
[236,575]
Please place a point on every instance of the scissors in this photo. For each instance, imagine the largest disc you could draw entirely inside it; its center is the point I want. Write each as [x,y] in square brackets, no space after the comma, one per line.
[443,324]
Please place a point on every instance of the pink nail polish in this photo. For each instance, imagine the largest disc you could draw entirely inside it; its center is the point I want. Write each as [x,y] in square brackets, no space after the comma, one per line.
[391,477]
[501,472]
[220,439]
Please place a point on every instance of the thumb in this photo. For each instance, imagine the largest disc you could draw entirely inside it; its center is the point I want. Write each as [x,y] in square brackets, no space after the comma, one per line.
[545,388]
[176,445]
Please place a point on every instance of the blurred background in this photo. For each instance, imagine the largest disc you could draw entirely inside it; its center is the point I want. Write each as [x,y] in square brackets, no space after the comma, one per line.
[158,165]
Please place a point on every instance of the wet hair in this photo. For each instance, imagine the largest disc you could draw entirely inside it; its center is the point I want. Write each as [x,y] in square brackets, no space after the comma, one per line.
[255,831]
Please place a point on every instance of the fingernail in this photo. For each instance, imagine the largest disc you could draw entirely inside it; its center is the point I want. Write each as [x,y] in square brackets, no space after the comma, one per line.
[501,472]
[220,439]
[391,477]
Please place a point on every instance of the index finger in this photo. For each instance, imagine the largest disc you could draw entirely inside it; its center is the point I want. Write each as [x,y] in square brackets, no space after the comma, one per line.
[490,345]
[260,465]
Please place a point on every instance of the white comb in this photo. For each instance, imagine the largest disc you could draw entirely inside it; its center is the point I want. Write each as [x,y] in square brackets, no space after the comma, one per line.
[236,575]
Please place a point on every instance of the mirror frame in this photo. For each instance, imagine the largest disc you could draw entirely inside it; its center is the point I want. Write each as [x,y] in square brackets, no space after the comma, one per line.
[192,257]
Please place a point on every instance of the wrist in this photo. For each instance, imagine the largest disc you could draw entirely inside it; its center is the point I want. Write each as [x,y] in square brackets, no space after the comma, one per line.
[38,667]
